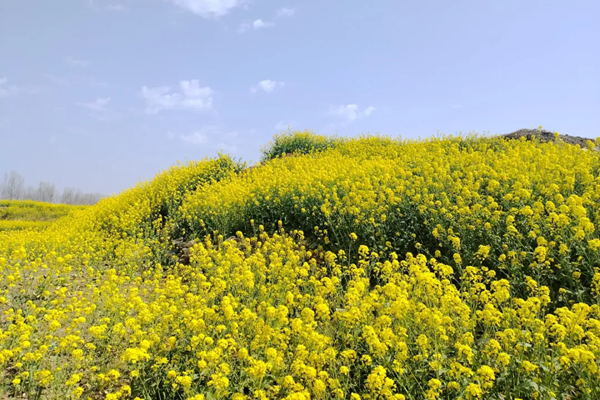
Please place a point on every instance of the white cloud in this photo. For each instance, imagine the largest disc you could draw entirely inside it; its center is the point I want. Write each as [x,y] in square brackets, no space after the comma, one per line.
[208,8]
[191,97]
[99,105]
[74,62]
[351,112]
[257,24]
[267,86]
[214,137]
[7,90]
[115,7]
[110,7]
[197,137]
[285,12]
[100,110]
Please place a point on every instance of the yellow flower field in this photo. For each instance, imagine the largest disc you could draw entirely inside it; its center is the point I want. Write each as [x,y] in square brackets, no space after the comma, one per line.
[26,214]
[369,268]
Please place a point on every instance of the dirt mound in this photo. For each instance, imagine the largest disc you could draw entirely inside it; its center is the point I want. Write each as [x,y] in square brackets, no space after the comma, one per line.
[547,136]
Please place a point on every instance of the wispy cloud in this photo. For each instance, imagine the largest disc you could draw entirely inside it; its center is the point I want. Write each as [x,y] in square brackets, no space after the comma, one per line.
[266,86]
[99,105]
[97,83]
[198,137]
[257,24]
[100,110]
[260,24]
[75,62]
[77,131]
[208,8]
[226,147]
[285,12]
[7,90]
[214,137]
[115,7]
[191,97]
[110,7]
[350,112]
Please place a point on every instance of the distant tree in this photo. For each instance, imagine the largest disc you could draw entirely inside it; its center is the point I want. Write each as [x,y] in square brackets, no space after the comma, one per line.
[72,195]
[68,196]
[87,198]
[77,196]
[29,193]
[13,186]
[45,192]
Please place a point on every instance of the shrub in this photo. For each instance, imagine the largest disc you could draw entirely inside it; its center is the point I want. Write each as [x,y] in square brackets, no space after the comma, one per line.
[297,143]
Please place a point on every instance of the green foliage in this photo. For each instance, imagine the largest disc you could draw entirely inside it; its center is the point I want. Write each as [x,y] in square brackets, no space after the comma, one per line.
[297,142]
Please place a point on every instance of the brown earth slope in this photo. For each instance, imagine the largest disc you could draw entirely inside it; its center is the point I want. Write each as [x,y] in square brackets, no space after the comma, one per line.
[547,136]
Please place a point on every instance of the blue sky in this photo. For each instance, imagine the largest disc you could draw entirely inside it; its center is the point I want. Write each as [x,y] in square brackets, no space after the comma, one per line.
[100,94]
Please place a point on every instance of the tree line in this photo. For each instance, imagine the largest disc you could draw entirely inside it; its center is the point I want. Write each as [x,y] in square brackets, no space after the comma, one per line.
[13,188]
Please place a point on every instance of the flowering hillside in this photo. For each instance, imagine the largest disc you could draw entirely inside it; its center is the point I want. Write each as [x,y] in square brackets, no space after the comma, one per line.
[369,268]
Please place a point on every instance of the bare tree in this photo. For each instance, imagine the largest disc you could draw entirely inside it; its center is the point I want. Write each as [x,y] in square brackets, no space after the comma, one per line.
[13,186]
[78,196]
[29,193]
[45,192]
[89,198]
[68,196]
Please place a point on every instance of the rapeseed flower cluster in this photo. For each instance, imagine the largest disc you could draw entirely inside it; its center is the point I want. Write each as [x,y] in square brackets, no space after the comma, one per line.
[375,269]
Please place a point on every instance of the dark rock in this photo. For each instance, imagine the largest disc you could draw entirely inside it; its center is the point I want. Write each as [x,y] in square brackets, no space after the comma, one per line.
[184,249]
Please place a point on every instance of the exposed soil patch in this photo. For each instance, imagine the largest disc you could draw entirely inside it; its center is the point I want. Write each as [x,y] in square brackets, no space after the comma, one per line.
[184,247]
[547,136]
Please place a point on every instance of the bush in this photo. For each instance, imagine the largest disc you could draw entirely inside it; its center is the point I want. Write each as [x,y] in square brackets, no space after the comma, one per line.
[297,143]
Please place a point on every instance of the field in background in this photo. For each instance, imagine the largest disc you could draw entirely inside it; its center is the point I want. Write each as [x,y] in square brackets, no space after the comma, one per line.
[17,214]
